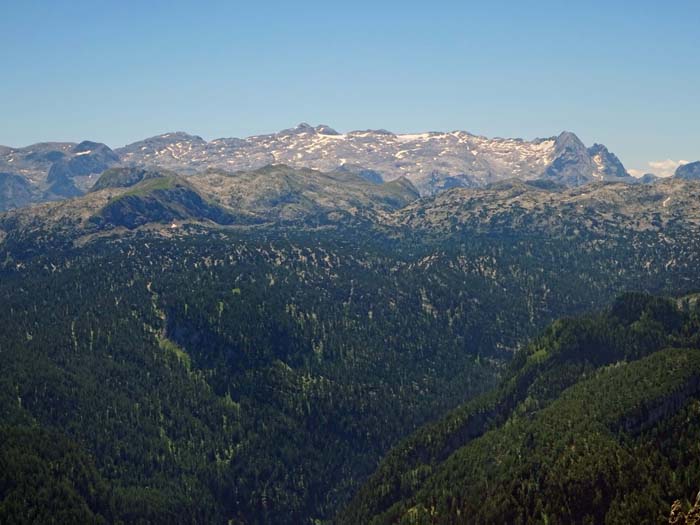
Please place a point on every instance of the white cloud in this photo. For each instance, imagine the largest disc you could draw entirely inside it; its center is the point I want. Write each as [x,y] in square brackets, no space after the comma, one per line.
[662,168]
[665,168]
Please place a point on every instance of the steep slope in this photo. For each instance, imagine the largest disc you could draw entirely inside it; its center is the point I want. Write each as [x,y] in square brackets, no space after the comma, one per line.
[574,433]
[607,165]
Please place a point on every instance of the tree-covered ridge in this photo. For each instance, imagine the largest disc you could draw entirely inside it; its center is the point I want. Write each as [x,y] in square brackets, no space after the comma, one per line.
[590,425]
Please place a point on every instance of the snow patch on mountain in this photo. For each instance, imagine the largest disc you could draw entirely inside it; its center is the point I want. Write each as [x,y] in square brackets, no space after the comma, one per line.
[431,160]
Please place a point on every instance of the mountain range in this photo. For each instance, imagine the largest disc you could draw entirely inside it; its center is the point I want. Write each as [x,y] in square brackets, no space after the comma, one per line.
[194,341]
[432,161]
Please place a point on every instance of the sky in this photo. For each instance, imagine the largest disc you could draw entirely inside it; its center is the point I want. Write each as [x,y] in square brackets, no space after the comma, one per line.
[625,74]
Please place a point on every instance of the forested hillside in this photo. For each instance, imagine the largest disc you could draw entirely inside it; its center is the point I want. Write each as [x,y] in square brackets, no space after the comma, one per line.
[199,371]
[596,421]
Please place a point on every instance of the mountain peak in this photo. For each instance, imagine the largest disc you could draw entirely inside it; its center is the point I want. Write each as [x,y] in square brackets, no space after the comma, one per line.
[606,163]
[323,129]
[568,139]
[88,145]
[299,129]
[573,164]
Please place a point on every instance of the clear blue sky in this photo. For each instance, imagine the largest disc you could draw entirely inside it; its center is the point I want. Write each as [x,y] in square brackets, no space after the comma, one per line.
[626,74]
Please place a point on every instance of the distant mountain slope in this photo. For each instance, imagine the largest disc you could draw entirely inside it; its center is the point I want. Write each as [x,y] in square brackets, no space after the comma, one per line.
[126,177]
[56,170]
[133,197]
[590,425]
[649,178]
[281,193]
[516,207]
[159,199]
[432,161]
[688,171]
[79,168]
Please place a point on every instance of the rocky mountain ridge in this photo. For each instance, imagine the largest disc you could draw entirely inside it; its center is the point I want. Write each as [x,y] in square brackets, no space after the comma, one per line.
[432,161]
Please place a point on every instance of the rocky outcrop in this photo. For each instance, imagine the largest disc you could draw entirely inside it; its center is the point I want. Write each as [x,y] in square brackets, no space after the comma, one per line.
[681,515]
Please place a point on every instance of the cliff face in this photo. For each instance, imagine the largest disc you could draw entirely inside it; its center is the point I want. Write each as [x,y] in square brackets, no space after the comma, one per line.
[679,516]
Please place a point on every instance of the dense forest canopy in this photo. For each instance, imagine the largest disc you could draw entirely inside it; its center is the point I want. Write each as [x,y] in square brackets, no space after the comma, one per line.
[594,422]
